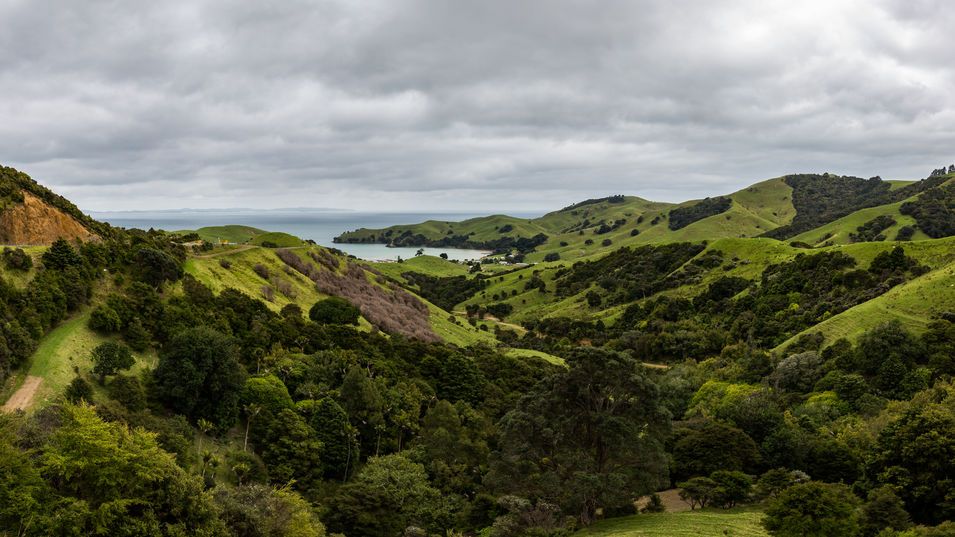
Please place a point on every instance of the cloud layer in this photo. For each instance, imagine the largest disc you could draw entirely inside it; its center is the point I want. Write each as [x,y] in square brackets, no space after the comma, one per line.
[486,105]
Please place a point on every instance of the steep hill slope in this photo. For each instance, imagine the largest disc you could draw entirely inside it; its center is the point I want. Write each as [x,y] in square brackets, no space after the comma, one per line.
[31,214]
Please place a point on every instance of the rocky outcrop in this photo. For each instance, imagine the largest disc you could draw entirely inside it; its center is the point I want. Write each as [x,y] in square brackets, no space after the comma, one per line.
[36,222]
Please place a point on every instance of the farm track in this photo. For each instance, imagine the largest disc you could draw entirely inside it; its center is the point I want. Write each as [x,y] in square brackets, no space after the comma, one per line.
[23,397]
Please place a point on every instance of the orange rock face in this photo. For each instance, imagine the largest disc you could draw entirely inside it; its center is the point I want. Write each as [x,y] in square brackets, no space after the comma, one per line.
[34,222]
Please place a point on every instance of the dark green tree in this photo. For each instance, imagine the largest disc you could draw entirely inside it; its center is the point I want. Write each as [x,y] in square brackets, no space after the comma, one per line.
[883,509]
[586,437]
[774,481]
[813,509]
[128,391]
[363,402]
[61,255]
[104,319]
[330,423]
[292,451]
[17,259]
[110,358]
[136,335]
[915,454]
[705,446]
[199,376]
[79,390]
[697,491]
[453,447]
[156,267]
[334,310]
[732,487]
[389,494]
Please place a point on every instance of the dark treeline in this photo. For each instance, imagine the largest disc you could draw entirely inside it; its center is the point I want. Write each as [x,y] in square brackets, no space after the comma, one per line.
[820,199]
[684,216]
[499,245]
[934,211]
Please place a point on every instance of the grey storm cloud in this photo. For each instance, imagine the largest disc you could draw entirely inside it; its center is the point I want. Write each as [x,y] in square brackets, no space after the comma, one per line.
[483,105]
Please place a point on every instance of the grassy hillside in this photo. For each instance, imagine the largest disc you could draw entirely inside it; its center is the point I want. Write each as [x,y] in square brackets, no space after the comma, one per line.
[246,266]
[582,230]
[426,264]
[595,226]
[840,231]
[914,304]
[276,239]
[700,523]
[62,352]
[241,274]
[745,258]
[229,233]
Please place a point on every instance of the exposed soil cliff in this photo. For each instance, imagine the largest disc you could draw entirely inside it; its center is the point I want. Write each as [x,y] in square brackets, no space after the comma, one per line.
[36,222]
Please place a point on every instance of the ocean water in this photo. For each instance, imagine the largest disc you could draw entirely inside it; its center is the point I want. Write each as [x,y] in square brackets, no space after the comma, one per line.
[318,225]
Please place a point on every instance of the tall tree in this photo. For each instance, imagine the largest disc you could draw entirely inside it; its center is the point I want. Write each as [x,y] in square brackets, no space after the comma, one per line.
[587,437]
[199,376]
[330,422]
[915,454]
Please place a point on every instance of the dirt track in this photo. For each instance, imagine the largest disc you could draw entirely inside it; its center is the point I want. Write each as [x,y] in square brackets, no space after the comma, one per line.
[23,397]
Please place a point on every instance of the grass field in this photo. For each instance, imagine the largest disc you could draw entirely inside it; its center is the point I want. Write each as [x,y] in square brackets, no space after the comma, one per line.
[279,239]
[230,233]
[66,348]
[528,353]
[425,264]
[699,523]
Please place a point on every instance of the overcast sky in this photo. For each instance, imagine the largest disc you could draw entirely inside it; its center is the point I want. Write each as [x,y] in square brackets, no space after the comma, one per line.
[482,105]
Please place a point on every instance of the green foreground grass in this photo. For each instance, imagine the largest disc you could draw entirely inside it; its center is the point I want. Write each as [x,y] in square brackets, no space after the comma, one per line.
[701,523]
[64,350]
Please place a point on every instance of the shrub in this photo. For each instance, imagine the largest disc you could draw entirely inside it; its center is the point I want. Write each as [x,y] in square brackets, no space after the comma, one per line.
[128,391]
[334,310]
[553,256]
[61,255]
[104,319]
[905,233]
[654,505]
[698,491]
[262,271]
[79,390]
[109,358]
[732,487]
[813,509]
[17,259]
